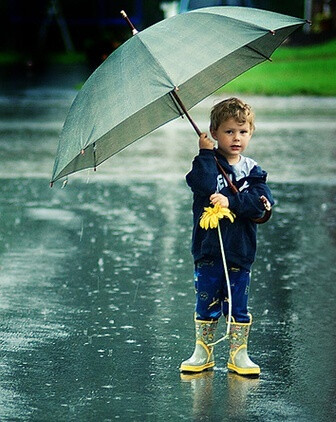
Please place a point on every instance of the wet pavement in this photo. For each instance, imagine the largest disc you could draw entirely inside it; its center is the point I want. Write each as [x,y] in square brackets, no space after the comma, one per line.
[96,292]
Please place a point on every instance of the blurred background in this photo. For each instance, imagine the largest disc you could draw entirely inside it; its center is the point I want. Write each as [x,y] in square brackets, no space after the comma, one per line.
[32,31]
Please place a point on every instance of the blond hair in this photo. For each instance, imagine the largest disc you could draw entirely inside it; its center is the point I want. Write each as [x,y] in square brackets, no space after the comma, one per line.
[232,108]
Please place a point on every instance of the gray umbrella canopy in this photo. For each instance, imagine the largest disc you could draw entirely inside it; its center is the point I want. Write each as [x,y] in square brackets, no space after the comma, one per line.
[129,95]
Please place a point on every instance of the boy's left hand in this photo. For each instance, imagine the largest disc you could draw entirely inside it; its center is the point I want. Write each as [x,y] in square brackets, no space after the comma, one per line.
[216,198]
[205,142]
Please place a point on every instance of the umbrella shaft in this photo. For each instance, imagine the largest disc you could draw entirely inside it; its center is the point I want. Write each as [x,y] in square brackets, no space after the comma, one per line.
[194,125]
[185,111]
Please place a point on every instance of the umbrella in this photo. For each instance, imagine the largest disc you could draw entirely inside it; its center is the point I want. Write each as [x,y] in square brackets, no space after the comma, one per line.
[142,84]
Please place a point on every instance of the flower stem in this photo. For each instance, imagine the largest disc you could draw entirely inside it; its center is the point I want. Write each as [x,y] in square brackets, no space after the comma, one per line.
[226,278]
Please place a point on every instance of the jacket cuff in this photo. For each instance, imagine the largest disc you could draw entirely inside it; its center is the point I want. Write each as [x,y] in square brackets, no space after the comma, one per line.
[207,152]
[233,203]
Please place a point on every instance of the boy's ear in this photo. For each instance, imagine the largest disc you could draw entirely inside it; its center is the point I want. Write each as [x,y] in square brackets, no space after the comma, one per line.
[213,134]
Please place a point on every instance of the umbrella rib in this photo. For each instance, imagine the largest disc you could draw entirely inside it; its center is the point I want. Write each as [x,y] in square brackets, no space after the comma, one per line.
[155,59]
[94,156]
[258,52]
[272,31]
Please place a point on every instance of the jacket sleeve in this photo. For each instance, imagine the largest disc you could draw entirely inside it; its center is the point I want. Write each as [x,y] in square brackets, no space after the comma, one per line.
[202,178]
[247,203]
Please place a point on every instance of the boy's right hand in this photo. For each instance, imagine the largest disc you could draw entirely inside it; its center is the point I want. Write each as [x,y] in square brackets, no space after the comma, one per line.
[205,142]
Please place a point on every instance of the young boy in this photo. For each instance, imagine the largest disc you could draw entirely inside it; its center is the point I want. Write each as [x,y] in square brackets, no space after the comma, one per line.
[232,126]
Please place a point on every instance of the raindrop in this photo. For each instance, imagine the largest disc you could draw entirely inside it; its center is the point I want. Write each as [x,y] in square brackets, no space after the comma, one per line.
[101,264]
[113,307]
[81,231]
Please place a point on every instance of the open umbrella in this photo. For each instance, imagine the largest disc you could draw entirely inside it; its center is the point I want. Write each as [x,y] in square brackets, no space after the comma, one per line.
[142,84]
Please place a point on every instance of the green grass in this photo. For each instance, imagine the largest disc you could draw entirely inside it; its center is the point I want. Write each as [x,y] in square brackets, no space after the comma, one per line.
[10,57]
[293,71]
[67,58]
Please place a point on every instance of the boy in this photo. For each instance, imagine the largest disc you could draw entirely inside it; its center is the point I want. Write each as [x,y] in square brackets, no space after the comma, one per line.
[232,126]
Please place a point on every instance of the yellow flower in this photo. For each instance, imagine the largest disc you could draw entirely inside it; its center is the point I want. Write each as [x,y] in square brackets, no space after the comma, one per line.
[212,215]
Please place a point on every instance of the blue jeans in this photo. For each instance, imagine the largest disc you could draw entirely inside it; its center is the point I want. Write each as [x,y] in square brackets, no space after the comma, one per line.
[211,290]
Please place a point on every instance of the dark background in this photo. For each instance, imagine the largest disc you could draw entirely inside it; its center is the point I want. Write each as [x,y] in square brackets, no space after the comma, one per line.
[96,28]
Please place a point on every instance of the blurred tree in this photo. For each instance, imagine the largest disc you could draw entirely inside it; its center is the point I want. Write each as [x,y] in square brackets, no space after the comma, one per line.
[94,25]
[152,12]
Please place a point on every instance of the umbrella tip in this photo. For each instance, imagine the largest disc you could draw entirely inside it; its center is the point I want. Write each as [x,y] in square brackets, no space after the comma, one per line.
[124,15]
[51,184]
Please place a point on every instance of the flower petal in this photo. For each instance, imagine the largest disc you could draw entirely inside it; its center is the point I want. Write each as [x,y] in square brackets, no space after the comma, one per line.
[212,215]
[213,221]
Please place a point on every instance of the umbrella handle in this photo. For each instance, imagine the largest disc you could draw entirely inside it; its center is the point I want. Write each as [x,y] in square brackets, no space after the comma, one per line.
[267,206]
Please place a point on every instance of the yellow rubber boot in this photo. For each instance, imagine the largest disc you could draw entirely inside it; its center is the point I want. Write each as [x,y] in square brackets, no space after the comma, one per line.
[203,357]
[239,360]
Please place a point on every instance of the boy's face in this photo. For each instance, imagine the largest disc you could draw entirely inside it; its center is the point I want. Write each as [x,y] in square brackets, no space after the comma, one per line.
[232,138]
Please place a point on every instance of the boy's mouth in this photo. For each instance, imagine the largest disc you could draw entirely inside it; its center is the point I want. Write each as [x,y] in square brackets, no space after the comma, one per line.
[235,147]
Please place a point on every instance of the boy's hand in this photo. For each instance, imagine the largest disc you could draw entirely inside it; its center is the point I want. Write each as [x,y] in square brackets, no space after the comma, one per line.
[216,198]
[205,142]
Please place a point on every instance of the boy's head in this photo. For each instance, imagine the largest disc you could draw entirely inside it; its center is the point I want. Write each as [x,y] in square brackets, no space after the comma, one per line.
[232,108]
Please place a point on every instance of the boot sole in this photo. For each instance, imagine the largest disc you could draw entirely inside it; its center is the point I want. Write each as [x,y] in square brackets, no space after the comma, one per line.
[243,371]
[190,368]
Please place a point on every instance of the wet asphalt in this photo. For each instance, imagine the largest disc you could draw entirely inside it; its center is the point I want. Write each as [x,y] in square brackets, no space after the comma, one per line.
[96,290]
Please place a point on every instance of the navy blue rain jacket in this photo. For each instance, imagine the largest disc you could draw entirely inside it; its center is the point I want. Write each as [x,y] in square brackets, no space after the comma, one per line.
[239,238]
